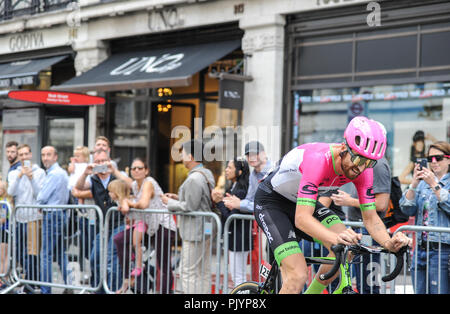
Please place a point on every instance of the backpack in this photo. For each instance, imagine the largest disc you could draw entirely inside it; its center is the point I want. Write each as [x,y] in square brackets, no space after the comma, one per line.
[393,214]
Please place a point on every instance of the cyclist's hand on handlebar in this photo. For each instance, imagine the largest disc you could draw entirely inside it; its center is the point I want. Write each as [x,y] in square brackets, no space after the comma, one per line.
[398,241]
[349,237]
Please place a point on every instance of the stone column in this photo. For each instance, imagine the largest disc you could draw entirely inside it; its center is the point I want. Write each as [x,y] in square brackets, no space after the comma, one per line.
[89,54]
[263,42]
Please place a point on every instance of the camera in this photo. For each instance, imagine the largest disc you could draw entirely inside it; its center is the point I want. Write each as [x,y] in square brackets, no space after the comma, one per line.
[422,163]
[100,169]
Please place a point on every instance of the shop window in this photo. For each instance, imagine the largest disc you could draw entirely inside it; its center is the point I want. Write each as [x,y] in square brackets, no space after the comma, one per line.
[130,132]
[433,56]
[325,59]
[386,54]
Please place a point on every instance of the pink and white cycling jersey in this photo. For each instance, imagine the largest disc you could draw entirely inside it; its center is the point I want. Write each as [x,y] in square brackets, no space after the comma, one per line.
[309,170]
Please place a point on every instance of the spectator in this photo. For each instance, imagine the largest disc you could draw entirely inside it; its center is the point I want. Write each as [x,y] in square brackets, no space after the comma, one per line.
[159,227]
[4,231]
[78,164]
[53,192]
[193,195]
[382,190]
[103,143]
[427,198]
[417,151]
[86,217]
[240,242]
[257,158]
[96,180]
[25,182]
[11,155]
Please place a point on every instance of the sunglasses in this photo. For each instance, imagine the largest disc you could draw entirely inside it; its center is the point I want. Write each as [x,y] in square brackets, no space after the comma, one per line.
[437,157]
[359,160]
[137,168]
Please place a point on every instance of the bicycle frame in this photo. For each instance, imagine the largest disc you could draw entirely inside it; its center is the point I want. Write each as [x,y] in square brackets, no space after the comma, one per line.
[339,263]
[268,286]
[345,282]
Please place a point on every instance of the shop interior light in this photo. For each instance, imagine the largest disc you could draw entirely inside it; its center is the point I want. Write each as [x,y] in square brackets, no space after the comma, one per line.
[165,92]
[164,107]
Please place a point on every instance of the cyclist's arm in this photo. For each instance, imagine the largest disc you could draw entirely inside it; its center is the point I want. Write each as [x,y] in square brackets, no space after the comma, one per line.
[306,202]
[305,221]
[367,199]
[376,228]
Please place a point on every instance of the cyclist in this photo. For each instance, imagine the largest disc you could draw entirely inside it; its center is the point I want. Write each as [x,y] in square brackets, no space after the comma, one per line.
[287,206]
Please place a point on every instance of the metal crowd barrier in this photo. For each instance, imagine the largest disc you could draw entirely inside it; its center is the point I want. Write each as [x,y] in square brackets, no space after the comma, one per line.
[367,275]
[5,238]
[65,234]
[171,262]
[411,278]
[243,255]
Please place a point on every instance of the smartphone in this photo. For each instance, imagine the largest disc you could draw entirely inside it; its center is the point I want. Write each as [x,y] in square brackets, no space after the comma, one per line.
[27,163]
[422,163]
[100,169]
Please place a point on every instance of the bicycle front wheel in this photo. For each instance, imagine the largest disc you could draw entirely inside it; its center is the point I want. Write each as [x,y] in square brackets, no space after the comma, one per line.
[248,287]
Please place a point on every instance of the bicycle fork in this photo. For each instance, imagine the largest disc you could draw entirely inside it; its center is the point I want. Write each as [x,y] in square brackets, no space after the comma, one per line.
[345,284]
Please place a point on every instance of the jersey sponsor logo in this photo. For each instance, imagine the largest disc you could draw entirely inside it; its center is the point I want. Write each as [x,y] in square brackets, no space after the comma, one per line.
[306,202]
[265,228]
[368,206]
[292,235]
[310,189]
[369,193]
[323,211]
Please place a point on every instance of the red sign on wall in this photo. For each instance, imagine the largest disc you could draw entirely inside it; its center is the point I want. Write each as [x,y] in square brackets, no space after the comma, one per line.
[56,98]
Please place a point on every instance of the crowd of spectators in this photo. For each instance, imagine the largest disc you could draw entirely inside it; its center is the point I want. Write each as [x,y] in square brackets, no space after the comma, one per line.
[93,178]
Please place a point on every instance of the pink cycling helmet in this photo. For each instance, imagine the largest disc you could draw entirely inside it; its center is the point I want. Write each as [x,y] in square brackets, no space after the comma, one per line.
[370,136]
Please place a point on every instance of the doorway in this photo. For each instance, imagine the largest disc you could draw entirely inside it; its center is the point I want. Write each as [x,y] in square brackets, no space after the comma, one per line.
[65,129]
[165,116]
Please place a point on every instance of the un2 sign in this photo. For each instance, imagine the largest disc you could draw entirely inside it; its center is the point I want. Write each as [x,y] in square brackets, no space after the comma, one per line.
[153,64]
[231,94]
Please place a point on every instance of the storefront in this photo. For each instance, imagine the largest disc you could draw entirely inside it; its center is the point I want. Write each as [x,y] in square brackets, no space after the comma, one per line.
[37,124]
[154,84]
[397,73]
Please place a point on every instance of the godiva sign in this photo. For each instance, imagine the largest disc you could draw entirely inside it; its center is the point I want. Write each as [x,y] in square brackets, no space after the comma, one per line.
[34,40]
[26,41]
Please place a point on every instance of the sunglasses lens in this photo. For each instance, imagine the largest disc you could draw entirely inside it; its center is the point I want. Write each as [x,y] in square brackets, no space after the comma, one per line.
[359,161]
[435,158]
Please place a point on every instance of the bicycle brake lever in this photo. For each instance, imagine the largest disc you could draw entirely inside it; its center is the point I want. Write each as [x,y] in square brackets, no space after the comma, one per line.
[398,265]
[338,250]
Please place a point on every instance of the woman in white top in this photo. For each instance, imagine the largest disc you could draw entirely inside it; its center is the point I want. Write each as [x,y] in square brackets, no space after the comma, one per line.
[159,227]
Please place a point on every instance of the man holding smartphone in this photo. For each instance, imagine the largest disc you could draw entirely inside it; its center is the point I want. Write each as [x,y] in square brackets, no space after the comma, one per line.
[25,182]
[96,178]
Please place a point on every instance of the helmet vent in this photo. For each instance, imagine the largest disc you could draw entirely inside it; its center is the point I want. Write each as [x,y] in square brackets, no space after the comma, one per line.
[381,148]
[374,147]
[367,145]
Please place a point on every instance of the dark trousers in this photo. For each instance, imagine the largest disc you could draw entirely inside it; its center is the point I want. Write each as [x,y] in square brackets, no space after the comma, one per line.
[162,241]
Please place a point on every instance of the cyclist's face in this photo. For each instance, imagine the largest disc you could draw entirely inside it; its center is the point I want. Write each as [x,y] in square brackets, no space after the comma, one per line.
[351,171]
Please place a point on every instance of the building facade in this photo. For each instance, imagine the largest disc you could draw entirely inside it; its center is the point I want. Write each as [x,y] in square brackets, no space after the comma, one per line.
[305,67]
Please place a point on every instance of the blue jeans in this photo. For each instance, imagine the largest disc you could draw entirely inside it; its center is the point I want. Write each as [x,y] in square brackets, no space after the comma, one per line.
[113,269]
[53,226]
[435,284]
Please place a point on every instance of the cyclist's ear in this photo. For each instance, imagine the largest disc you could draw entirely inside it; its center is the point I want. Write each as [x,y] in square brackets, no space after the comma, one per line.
[344,150]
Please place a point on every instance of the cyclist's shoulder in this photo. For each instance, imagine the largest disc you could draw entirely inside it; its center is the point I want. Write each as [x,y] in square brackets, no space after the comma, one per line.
[315,152]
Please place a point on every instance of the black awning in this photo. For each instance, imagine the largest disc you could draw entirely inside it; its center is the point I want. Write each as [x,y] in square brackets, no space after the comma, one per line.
[151,68]
[25,71]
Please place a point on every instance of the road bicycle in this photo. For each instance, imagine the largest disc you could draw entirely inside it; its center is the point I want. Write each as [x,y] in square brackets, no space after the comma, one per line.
[339,263]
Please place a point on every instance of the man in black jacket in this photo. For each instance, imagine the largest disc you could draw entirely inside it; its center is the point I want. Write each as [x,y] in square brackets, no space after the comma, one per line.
[97,180]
